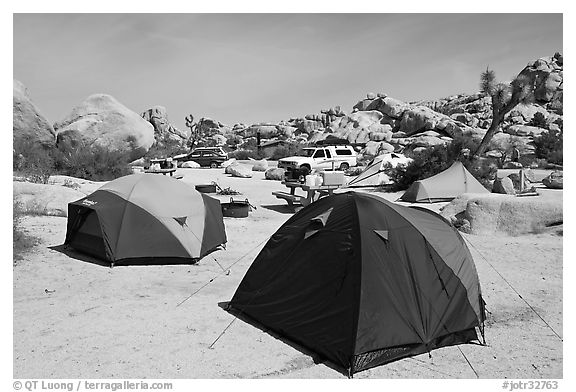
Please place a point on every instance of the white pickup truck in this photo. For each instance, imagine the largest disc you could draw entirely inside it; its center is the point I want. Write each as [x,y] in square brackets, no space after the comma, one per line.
[321,158]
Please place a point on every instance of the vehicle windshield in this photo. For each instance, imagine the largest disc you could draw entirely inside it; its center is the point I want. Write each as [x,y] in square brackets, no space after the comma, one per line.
[309,152]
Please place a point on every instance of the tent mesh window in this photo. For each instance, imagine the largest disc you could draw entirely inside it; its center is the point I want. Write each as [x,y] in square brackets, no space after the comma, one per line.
[363,361]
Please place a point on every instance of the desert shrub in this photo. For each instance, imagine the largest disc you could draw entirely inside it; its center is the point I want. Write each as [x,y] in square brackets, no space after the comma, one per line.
[560,122]
[21,241]
[209,142]
[549,146]
[355,171]
[165,150]
[484,170]
[505,147]
[556,157]
[424,164]
[287,151]
[94,162]
[538,120]
[439,158]
[32,160]
[245,154]
[527,160]
[71,184]
[233,141]
[37,162]
[250,143]
[539,163]
[16,217]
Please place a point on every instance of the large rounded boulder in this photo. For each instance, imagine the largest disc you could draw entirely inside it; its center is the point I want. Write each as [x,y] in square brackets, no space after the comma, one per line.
[28,123]
[103,121]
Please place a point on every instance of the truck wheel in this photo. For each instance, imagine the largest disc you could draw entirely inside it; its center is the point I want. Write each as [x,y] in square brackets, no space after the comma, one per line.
[213,165]
[344,166]
[305,169]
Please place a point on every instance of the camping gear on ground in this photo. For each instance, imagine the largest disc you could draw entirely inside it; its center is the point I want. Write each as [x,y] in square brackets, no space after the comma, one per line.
[313,180]
[162,166]
[332,177]
[444,186]
[237,208]
[162,163]
[146,219]
[295,174]
[206,188]
[375,172]
[362,281]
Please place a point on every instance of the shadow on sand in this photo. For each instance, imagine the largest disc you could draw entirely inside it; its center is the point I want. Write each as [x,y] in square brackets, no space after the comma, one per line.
[282,208]
[70,252]
[315,356]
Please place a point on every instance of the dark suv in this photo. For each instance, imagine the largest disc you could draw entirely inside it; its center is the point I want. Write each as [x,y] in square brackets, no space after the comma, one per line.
[205,156]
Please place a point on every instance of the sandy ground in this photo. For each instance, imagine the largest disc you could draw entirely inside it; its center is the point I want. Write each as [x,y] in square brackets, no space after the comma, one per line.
[75,319]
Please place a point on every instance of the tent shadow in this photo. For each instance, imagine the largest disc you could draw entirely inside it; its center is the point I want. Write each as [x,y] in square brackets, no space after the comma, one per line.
[315,356]
[70,252]
[282,208]
[74,254]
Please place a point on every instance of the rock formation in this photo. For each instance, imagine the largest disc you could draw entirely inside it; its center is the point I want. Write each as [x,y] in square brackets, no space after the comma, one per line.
[28,123]
[506,214]
[555,180]
[164,132]
[274,173]
[102,120]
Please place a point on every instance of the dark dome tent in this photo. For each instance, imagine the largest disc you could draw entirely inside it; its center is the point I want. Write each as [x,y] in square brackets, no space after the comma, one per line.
[146,219]
[444,186]
[362,282]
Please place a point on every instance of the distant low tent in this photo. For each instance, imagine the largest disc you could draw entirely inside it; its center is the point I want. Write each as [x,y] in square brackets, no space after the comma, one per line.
[362,281]
[444,186]
[146,219]
[374,174]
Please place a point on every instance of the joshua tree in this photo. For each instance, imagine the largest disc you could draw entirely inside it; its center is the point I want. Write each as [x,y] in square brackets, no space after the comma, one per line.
[193,130]
[505,97]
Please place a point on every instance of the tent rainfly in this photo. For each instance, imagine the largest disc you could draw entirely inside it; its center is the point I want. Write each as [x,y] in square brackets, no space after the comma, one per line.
[374,174]
[362,281]
[444,186]
[146,219]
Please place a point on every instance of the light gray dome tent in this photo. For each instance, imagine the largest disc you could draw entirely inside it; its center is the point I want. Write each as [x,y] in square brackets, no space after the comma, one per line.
[444,186]
[146,219]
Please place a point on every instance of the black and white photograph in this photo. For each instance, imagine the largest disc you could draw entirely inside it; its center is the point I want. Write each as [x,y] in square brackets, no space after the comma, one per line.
[315,193]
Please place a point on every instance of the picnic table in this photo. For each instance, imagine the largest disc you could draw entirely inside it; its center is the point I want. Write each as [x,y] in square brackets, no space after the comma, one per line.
[161,171]
[312,193]
[161,166]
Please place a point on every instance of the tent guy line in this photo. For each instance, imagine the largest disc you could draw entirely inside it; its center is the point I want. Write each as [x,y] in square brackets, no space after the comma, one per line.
[253,297]
[469,364]
[223,270]
[514,289]
[223,332]
[213,258]
[425,365]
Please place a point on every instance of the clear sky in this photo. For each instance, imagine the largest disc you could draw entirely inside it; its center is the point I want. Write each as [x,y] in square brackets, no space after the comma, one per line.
[267,67]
